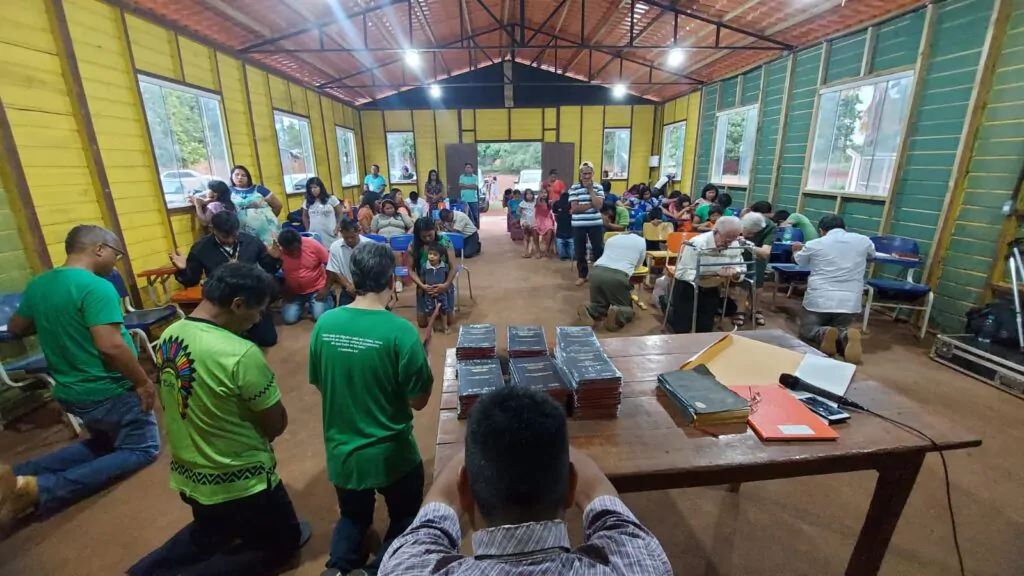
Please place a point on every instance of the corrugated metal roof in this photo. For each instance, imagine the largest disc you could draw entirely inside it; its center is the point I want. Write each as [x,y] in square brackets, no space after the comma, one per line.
[354,49]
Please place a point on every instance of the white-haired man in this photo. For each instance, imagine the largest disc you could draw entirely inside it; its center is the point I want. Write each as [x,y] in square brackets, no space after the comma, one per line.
[721,259]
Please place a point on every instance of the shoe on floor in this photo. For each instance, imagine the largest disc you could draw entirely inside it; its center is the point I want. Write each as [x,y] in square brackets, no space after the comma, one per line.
[853,350]
[584,315]
[611,322]
[581,281]
[828,341]
[17,502]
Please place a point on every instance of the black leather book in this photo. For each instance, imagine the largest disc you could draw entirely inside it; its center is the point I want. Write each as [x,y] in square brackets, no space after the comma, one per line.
[478,377]
[527,341]
[576,339]
[477,336]
[702,399]
[536,373]
[584,367]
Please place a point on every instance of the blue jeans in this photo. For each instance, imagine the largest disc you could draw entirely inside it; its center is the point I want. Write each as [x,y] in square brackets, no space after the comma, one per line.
[123,439]
[291,311]
[565,247]
[473,209]
[403,498]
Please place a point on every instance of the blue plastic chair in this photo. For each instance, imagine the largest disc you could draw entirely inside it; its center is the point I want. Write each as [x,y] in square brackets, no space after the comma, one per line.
[636,219]
[459,243]
[314,235]
[435,214]
[400,243]
[140,322]
[895,293]
[24,370]
[376,238]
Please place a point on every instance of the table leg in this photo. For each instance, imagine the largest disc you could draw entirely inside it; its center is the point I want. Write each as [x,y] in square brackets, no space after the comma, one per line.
[892,489]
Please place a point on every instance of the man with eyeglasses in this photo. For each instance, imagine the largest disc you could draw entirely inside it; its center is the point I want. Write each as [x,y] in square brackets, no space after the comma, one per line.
[76,315]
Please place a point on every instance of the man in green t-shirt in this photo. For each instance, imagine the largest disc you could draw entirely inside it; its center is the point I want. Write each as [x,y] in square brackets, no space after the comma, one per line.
[809,229]
[469,190]
[75,313]
[222,409]
[372,372]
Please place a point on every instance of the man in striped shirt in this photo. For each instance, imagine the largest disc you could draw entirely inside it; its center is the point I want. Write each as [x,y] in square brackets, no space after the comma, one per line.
[518,476]
[585,200]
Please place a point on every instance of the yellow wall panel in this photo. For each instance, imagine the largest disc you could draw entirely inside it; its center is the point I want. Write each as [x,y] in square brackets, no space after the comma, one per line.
[333,160]
[690,148]
[374,142]
[469,120]
[492,125]
[236,112]
[280,95]
[527,124]
[266,134]
[446,123]
[398,121]
[468,137]
[639,148]
[551,118]
[297,97]
[617,116]
[426,146]
[26,25]
[550,136]
[592,136]
[569,129]
[154,48]
[322,136]
[198,64]
[32,80]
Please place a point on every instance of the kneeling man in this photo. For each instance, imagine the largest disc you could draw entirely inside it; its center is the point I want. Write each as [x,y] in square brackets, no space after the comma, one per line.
[610,297]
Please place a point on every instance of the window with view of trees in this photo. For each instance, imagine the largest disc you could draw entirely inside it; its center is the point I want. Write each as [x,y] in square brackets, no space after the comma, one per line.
[673,141]
[401,157]
[857,137]
[296,148]
[735,133]
[347,154]
[189,142]
[615,153]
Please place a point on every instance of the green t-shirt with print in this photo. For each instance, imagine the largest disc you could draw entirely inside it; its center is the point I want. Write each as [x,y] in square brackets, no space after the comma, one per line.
[466,194]
[212,383]
[621,216]
[804,224]
[367,365]
[64,304]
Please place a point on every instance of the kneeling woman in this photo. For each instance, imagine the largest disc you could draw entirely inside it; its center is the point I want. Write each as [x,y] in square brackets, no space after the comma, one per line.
[423,235]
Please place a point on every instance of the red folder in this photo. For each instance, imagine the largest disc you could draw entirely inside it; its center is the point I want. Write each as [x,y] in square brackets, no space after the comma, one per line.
[776,415]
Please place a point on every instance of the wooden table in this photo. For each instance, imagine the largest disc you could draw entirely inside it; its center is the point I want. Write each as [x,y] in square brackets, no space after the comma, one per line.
[644,449]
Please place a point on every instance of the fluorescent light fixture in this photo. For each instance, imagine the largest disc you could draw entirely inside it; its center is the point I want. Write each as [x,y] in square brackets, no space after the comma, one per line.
[619,90]
[676,57]
[412,58]
[435,91]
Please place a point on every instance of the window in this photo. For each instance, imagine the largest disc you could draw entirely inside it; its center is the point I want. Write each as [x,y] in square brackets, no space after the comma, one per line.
[857,138]
[296,148]
[673,141]
[402,157]
[347,153]
[735,131]
[615,153]
[187,129]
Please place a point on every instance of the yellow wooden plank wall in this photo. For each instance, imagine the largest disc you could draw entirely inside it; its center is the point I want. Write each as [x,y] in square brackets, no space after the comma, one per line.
[280,95]
[153,47]
[447,123]
[492,125]
[236,112]
[374,144]
[641,127]
[324,168]
[266,135]
[398,121]
[199,64]
[426,148]
[618,116]
[527,124]
[297,97]
[685,108]
[592,134]
[551,118]
[569,128]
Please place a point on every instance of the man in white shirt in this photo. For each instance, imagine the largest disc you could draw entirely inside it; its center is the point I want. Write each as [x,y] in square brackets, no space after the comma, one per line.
[835,288]
[456,221]
[715,250]
[610,296]
[339,269]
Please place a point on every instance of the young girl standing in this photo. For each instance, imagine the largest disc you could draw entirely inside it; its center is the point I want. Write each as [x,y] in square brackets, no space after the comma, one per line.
[544,224]
[527,217]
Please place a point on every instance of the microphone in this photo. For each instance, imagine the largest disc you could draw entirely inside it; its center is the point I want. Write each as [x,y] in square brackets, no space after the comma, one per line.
[801,385]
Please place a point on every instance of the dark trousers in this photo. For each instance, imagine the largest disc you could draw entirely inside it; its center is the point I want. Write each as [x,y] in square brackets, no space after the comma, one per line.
[708,301]
[473,210]
[610,288]
[403,498]
[471,246]
[257,534]
[814,324]
[263,333]
[580,235]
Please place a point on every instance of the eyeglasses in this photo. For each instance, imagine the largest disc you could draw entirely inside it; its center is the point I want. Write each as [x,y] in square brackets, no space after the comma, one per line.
[118,251]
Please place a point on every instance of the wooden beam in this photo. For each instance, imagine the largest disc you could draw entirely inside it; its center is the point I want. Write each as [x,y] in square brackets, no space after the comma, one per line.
[826,51]
[83,118]
[757,135]
[13,173]
[870,41]
[780,139]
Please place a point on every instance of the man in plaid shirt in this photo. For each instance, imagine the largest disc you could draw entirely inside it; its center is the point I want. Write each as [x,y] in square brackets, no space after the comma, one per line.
[515,481]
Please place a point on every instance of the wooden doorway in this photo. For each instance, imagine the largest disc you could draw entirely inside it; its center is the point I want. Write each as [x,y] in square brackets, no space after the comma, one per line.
[456,158]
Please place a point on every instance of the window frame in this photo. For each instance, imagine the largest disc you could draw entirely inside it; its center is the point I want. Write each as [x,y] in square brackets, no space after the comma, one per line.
[682,149]
[392,181]
[714,145]
[162,83]
[355,154]
[312,151]
[629,146]
[906,72]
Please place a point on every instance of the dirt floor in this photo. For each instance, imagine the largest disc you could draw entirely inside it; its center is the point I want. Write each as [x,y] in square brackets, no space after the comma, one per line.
[793,527]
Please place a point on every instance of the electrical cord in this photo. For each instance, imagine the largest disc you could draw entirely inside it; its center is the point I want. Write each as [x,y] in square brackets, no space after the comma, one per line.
[945,473]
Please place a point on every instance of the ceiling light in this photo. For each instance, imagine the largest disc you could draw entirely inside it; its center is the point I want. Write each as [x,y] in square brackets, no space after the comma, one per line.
[412,58]
[676,57]
[435,91]
[619,90]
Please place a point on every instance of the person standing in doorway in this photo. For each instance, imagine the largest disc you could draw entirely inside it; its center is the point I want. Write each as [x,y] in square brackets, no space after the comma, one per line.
[434,190]
[585,200]
[469,190]
[75,313]
[555,186]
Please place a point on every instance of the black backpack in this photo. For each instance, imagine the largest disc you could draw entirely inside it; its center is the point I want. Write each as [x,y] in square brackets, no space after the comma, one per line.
[1006,321]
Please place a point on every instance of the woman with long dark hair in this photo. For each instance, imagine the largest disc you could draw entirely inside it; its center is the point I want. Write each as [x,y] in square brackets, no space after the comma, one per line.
[434,190]
[256,205]
[424,233]
[321,212]
[219,198]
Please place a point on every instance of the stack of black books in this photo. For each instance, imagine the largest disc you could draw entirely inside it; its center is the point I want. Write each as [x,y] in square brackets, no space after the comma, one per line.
[527,342]
[701,399]
[476,342]
[539,373]
[476,378]
[595,382]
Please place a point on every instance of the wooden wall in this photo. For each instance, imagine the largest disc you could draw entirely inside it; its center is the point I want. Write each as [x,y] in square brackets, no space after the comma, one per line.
[682,109]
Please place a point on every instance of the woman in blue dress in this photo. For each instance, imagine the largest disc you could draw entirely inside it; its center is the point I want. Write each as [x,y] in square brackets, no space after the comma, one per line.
[256,205]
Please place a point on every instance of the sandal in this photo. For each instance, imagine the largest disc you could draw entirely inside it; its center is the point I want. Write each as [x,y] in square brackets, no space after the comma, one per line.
[738,321]
[759,319]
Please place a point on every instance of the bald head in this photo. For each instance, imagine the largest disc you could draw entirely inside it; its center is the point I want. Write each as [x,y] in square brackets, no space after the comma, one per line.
[85,237]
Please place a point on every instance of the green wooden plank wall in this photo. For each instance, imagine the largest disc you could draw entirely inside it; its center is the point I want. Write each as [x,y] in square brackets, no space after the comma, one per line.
[803,91]
[991,176]
[771,123]
[751,87]
[727,99]
[897,42]
[846,57]
[705,138]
